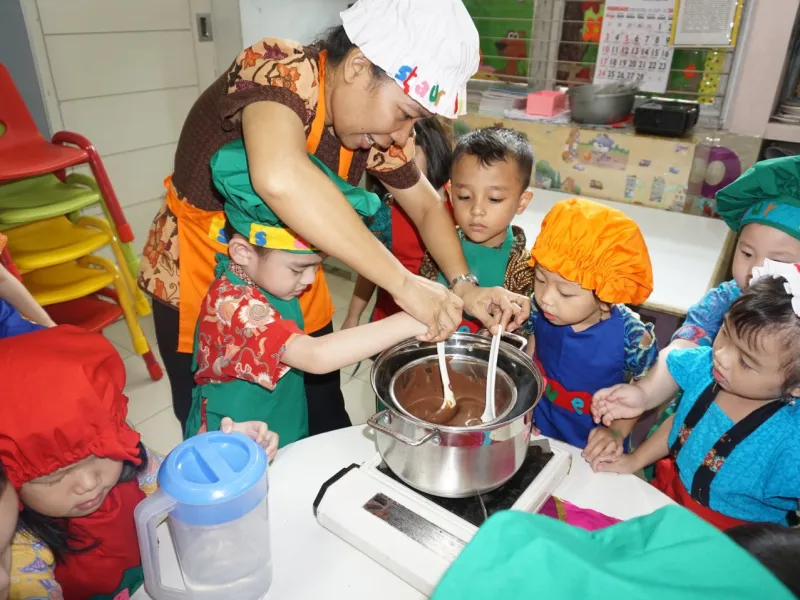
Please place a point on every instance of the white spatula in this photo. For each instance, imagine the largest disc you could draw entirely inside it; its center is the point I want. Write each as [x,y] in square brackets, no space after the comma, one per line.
[488,412]
[449,402]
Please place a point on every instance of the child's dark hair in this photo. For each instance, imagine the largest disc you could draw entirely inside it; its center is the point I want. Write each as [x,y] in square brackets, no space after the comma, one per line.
[230,232]
[52,531]
[498,144]
[433,140]
[774,546]
[337,44]
[766,307]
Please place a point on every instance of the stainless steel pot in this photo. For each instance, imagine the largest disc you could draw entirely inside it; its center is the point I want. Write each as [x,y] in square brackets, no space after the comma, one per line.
[456,462]
[601,104]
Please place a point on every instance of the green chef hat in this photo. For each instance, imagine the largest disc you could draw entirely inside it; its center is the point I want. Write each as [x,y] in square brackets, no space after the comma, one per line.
[670,554]
[768,193]
[249,215]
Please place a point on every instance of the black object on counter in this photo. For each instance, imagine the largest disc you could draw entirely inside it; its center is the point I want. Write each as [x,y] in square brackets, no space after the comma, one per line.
[671,118]
[503,498]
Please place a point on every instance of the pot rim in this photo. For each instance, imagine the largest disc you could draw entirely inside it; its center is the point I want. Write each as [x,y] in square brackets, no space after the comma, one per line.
[505,347]
[503,375]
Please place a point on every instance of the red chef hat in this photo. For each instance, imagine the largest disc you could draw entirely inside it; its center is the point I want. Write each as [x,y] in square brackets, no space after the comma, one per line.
[62,402]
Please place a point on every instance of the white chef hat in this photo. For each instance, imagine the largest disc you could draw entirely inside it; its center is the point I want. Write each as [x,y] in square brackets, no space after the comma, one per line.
[429,47]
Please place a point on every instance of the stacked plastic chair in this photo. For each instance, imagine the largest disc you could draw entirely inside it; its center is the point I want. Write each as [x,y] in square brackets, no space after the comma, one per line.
[50,244]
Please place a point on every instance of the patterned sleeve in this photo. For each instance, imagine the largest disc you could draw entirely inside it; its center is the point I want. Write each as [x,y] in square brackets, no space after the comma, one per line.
[704,319]
[784,476]
[241,336]
[428,267]
[273,70]
[519,274]
[395,167]
[690,368]
[380,224]
[641,348]
[148,478]
[530,325]
[33,570]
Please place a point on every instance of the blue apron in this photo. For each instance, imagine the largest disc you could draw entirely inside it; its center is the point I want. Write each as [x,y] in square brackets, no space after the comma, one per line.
[576,365]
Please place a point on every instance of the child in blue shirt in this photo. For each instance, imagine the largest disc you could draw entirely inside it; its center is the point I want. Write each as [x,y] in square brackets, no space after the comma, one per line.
[731,452]
[589,261]
[763,206]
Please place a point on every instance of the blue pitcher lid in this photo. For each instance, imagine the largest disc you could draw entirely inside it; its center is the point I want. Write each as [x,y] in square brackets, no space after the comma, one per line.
[212,468]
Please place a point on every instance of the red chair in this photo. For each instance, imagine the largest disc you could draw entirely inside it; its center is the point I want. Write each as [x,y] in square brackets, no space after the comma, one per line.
[25,153]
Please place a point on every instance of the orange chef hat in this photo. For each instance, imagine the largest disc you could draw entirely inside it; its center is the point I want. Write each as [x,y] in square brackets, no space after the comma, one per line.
[598,247]
[62,401]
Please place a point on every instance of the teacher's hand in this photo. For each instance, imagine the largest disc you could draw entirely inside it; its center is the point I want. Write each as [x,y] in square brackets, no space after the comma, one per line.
[431,303]
[494,306]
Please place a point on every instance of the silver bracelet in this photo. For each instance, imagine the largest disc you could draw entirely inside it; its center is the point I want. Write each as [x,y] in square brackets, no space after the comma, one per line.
[468,277]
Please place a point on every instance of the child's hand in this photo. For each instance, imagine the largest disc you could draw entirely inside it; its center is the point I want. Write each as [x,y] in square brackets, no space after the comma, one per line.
[256,431]
[624,464]
[623,401]
[604,445]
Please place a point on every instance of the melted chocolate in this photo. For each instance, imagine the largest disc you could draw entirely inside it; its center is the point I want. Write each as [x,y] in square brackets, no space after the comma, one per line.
[419,390]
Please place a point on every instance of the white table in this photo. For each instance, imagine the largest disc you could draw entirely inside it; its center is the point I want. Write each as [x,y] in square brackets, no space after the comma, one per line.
[310,562]
[688,252]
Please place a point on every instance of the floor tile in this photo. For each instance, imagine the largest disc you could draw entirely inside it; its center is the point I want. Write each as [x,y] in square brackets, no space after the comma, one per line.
[161,432]
[359,400]
[146,397]
[120,336]
[123,352]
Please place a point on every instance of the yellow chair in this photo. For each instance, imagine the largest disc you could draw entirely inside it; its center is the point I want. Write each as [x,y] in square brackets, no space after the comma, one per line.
[55,241]
[55,259]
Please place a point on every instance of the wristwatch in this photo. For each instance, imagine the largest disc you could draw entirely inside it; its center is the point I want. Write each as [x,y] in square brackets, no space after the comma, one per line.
[468,277]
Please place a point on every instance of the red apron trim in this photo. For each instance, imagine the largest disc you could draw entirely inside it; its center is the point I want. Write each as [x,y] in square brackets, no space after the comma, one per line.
[669,482]
[579,403]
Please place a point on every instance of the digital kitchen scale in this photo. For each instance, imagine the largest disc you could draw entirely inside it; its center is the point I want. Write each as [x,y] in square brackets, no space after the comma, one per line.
[417,536]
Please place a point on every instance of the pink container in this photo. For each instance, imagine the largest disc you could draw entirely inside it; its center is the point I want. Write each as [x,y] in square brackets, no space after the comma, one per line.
[546,103]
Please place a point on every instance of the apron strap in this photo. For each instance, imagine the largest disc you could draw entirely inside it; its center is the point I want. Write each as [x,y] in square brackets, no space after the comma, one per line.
[318,125]
[715,459]
[696,413]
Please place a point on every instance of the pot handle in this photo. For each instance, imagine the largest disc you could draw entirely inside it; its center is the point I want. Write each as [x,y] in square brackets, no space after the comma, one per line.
[514,338]
[374,422]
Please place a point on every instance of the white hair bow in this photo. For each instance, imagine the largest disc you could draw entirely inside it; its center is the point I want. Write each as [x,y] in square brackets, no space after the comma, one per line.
[789,271]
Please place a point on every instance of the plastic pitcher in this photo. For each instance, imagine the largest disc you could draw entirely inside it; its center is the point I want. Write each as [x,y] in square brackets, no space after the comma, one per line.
[213,490]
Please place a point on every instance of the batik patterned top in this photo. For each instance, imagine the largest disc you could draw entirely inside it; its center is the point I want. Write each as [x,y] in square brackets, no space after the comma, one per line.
[33,565]
[271,70]
[704,319]
[760,480]
[240,335]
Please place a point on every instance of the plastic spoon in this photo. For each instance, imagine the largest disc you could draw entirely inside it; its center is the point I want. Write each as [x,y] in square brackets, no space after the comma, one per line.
[489,410]
[448,408]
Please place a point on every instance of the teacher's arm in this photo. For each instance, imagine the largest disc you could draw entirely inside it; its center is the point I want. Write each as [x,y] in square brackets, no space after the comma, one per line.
[308,202]
[491,306]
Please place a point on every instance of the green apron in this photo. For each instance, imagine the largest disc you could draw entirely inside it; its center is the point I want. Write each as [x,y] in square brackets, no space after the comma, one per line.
[489,265]
[670,554]
[284,409]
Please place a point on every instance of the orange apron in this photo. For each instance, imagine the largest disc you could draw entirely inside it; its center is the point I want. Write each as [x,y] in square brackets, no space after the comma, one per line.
[199,240]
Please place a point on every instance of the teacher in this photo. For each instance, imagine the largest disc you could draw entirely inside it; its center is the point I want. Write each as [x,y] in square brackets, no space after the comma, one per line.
[352,100]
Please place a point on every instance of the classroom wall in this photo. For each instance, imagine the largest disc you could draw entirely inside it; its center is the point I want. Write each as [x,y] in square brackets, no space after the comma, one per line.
[300,20]
[17,56]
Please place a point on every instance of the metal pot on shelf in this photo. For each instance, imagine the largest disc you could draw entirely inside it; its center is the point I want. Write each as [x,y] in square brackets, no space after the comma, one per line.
[602,104]
[451,461]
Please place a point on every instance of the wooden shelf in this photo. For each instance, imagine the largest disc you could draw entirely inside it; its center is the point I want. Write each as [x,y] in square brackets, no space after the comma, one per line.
[782,132]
